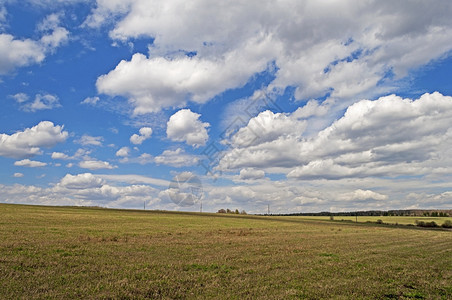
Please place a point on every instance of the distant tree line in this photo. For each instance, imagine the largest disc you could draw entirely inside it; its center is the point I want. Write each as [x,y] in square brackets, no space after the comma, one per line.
[228,211]
[402,212]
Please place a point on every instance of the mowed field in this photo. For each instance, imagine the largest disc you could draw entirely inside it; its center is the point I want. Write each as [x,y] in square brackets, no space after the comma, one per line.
[58,252]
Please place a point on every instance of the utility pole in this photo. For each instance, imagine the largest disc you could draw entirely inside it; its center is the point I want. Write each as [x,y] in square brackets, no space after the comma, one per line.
[268,209]
[200,208]
[144,205]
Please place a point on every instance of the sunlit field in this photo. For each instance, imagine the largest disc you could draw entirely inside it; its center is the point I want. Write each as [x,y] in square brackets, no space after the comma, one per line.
[62,252]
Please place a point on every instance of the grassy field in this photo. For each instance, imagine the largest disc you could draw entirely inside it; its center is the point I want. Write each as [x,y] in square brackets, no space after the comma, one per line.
[54,252]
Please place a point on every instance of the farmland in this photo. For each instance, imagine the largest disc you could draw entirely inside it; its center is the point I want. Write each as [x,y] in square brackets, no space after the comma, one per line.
[68,252]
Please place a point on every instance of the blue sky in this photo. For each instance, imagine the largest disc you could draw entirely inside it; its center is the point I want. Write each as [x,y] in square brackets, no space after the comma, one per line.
[304,106]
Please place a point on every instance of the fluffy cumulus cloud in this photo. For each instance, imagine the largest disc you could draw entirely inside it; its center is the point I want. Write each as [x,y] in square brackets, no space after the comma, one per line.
[41,102]
[176,158]
[95,190]
[16,52]
[352,54]
[123,152]
[185,126]
[362,195]
[251,174]
[270,141]
[138,139]
[87,140]
[290,197]
[83,189]
[59,155]
[390,136]
[29,142]
[93,164]
[81,181]
[30,163]
[155,83]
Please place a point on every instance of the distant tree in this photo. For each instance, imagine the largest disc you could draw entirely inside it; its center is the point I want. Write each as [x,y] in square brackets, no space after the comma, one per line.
[434,214]
[237,211]
[243,212]
[221,211]
[228,211]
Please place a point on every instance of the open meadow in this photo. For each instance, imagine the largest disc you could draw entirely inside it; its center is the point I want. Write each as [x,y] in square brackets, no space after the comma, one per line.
[68,252]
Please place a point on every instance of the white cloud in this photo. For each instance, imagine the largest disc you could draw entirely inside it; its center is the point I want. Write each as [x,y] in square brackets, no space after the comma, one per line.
[83,189]
[20,97]
[42,102]
[81,181]
[269,141]
[92,164]
[59,155]
[185,126]
[176,158]
[312,108]
[50,22]
[362,195]
[91,100]
[56,35]
[29,163]
[105,12]
[18,175]
[145,158]
[251,174]
[123,152]
[145,133]
[152,84]
[387,137]
[135,179]
[87,140]
[268,127]
[16,53]
[342,49]
[29,142]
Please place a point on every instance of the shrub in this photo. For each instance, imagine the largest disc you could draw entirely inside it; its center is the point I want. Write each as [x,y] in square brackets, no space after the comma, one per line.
[431,224]
[447,224]
[379,221]
[426,224]
[332,218]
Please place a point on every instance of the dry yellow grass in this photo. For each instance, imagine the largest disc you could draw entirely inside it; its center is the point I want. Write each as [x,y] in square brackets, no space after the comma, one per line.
[54,252]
